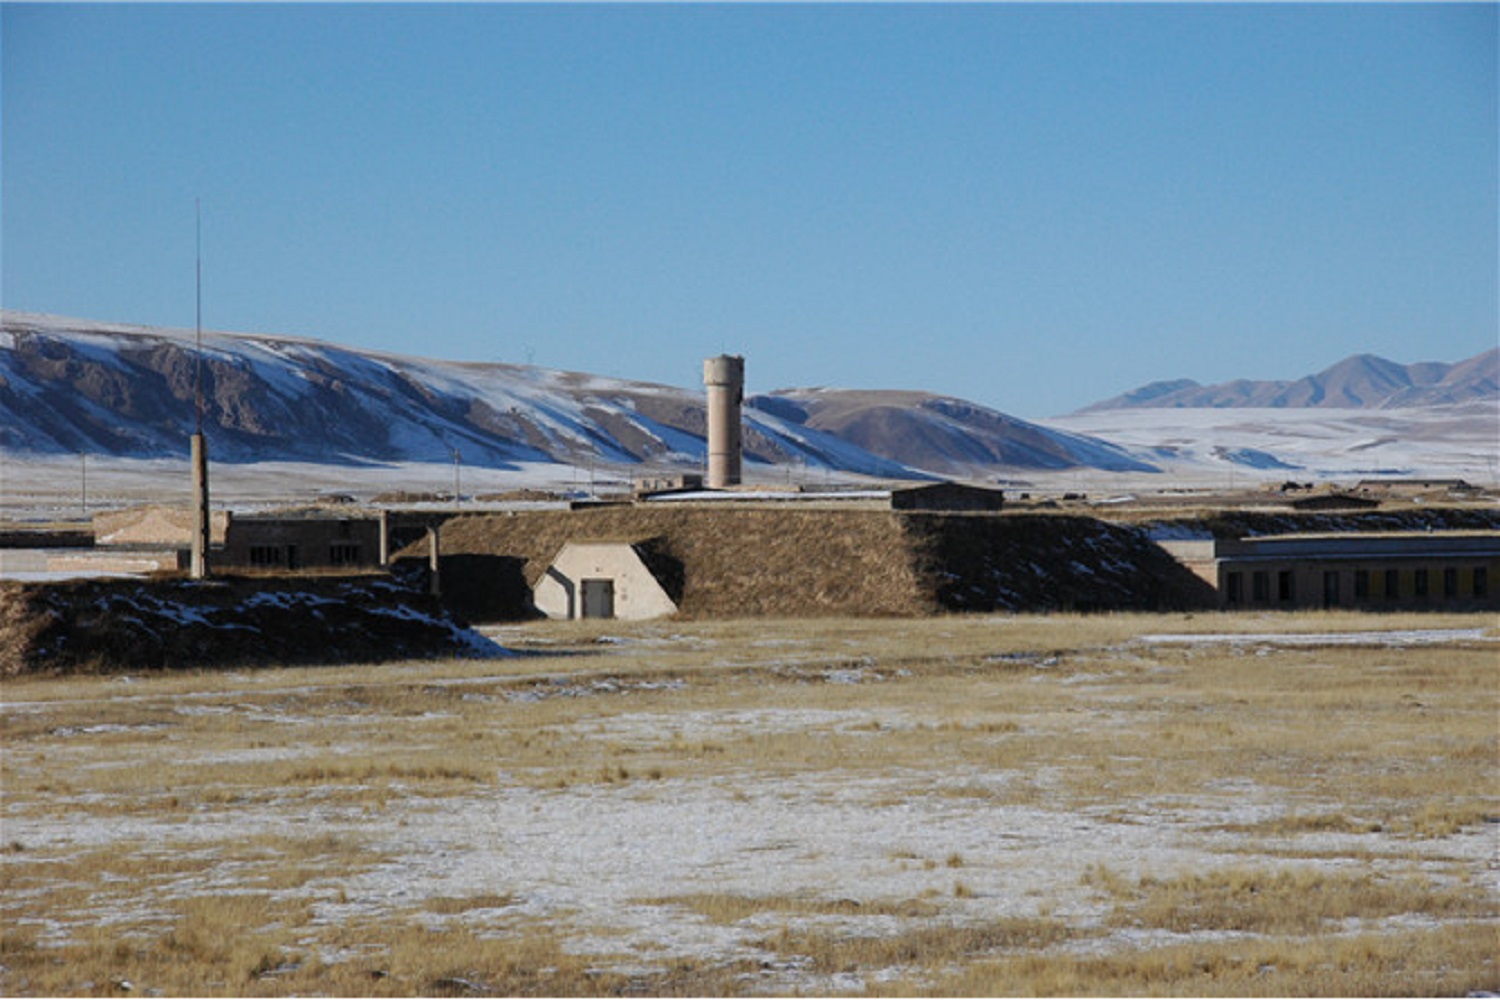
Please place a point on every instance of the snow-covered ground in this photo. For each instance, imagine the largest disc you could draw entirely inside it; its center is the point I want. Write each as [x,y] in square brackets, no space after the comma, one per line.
[1398,637]
[609,866]
[56,487]
[1244,445]
[67,487]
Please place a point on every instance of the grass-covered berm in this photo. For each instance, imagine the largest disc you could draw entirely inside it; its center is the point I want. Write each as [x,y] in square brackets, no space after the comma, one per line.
[1124,804]
[778,560]
[121,625]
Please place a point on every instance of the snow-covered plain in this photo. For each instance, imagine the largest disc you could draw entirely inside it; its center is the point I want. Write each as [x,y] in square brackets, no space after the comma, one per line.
[1271,445]
[610,867]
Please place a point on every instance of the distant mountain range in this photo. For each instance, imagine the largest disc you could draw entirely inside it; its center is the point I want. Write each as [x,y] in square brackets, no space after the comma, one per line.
[74,386]
[70,386]
[1363,381]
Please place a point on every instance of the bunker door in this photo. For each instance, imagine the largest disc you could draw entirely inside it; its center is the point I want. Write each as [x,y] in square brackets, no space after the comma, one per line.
[598,598]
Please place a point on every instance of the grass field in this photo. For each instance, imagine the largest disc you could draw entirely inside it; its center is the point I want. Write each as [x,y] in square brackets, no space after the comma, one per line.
[1119,804]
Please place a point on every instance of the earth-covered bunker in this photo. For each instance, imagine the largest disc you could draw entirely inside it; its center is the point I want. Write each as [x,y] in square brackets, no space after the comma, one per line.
[721,561]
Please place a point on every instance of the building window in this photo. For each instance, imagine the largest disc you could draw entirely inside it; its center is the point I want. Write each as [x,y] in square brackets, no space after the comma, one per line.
[1361,584]
[1392,584]
[1419,582]
[265,555]
[1330,589]
[343,554]
[1233,588]
[1260,586]
[1285,589]
[1481,582]
[1450,582]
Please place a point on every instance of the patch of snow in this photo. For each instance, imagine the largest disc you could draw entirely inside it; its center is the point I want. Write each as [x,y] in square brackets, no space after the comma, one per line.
[1401,637]
[1210,444]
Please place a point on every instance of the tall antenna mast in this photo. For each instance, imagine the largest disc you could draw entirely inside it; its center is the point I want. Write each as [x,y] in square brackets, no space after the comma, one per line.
[198,308]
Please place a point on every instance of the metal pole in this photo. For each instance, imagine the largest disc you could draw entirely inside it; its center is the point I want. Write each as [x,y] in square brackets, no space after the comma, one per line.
[198,310]
[199,544]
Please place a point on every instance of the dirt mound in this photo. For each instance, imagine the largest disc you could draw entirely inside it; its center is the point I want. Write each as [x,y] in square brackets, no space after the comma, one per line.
[733,562]
[1041,562]
[1243,523]
[760,562]
[116,625]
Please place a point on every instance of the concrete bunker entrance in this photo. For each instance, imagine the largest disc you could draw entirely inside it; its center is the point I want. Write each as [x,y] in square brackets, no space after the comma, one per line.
[601,580]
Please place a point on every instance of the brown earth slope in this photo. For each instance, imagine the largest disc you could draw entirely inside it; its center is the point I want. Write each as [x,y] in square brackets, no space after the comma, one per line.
[119,625]
[758,562]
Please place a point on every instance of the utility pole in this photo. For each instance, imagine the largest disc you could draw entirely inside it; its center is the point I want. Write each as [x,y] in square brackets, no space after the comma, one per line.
[198,551]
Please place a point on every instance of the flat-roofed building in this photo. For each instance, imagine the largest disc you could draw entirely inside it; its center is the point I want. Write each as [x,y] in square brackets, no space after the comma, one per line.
[300,541]
[1385,571]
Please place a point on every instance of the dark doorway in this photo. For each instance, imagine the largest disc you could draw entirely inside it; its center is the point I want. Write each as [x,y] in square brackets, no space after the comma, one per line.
[598,598]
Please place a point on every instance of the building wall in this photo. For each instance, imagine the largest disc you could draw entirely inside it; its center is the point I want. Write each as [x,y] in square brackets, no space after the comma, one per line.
[637,595]
[300,543]
[666,482]
[1385,574]
[1197,556]
[947,497]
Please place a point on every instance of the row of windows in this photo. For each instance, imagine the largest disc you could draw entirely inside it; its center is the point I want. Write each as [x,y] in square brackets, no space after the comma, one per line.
[273,555]
[1380,584]
[339,554]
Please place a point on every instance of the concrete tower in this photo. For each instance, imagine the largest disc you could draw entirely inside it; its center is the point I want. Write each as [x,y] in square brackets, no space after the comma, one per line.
[199,545]
[725,378]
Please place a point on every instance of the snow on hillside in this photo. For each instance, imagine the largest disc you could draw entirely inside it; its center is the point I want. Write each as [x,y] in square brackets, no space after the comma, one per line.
[948,436]
[72,386]
[1436,442]
[119,393]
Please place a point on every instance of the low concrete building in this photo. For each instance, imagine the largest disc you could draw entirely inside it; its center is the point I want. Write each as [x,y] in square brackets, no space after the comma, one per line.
[604,580]
[947,496]
[1197,554]
[1387,571]
[654,483]
[1334,501]
[300,541]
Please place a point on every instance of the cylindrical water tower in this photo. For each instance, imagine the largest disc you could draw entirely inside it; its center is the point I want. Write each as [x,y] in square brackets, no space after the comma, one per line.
[725,378]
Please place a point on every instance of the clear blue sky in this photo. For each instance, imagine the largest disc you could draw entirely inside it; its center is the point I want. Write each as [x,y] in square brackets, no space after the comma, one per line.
[1030,206]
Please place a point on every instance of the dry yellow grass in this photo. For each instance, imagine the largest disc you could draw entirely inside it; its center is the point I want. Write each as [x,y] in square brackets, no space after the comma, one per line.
[229,834]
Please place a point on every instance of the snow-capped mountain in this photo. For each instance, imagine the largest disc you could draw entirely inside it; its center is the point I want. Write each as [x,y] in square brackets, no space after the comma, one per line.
[1362,381]
[1362,417]
[72,386]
